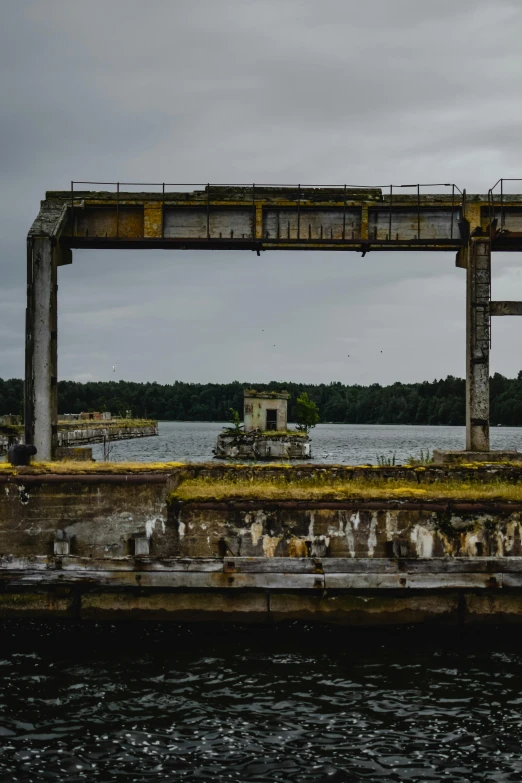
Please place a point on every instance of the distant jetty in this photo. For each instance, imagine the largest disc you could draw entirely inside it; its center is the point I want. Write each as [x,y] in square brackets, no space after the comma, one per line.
[81,432]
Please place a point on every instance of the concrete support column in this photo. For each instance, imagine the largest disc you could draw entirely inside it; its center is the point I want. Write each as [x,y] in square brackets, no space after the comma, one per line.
[41,391]
[478,295]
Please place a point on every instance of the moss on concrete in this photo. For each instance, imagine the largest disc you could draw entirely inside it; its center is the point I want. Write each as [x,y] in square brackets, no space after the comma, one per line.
[208,488]
[72,466]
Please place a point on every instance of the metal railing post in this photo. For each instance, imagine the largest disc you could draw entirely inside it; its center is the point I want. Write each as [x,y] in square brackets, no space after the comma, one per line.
[299,212]
[117,210]
[208,211]
[344,215]
[390,213]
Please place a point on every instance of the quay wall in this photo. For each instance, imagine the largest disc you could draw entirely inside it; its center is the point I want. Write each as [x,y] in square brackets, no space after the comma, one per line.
[121,546]
[82,435]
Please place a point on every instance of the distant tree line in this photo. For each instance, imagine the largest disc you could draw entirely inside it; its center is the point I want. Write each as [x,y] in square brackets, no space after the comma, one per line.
[436,402]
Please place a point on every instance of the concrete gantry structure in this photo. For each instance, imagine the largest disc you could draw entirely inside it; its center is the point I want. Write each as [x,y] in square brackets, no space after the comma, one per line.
[260,217]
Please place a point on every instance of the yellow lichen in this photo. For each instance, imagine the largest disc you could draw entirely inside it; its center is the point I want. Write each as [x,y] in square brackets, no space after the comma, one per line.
[327,488]
[73,466]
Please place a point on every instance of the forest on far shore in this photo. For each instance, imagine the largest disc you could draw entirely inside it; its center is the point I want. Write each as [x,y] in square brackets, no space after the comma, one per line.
[429,402]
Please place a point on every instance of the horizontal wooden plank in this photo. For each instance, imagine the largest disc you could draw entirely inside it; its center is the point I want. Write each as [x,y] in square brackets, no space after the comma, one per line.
[143,564]
[163,579]
[286,565]
[450,565]
[280,565]
[212,580]
[427,581]
[481,565]
[359,565]
[512,580]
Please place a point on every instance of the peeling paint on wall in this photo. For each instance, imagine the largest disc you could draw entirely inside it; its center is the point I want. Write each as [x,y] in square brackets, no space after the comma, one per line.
[270,545]
[350,538]
[372,538]
[150,524]
[422,539]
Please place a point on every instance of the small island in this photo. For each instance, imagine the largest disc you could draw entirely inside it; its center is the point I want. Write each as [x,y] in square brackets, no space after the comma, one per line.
[264,434]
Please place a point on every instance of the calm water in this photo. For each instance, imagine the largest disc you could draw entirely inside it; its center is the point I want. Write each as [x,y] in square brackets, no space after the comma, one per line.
[297,704]
[349,443]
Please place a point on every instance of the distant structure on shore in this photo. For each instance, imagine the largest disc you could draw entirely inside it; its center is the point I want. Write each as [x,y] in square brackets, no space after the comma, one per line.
[264,434]
[10,420]
[90,416]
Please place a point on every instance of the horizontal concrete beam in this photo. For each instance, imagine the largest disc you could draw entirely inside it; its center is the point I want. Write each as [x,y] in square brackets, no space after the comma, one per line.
[254,218]
[283,218]
[505,308]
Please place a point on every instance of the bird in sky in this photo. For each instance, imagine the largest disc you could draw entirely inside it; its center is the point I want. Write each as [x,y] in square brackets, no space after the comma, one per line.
[114,367]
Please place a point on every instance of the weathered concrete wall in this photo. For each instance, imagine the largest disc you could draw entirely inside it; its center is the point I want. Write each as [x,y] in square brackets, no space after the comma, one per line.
[99,515]
[251,445]
[256,404]
[371,529]
[113,546]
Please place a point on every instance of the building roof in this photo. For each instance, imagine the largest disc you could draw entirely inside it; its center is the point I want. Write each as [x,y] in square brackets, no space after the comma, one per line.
[267,395]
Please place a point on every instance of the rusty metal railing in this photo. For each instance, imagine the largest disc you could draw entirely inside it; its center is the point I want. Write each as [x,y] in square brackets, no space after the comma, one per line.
[387,193]
[496,201]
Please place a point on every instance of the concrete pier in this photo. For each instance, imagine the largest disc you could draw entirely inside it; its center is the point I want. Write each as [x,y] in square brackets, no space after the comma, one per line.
[123,545]
[87,433]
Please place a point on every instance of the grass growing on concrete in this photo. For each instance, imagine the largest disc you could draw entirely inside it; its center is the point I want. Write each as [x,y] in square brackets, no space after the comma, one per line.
[73,466]
[202,489]
[82,424]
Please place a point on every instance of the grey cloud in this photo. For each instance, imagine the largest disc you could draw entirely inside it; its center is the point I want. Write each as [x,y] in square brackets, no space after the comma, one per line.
[330,92]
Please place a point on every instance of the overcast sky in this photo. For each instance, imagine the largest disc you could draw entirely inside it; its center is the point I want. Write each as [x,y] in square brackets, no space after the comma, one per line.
[316,91]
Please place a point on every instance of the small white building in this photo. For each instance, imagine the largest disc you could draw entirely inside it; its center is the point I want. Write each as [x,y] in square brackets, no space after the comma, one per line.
[265,411]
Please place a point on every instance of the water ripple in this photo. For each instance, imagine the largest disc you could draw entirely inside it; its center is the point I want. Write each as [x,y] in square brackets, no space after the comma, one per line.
[125,703]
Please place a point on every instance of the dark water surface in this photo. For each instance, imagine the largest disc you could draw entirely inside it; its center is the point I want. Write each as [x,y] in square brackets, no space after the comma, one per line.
[352,444]
[301,703]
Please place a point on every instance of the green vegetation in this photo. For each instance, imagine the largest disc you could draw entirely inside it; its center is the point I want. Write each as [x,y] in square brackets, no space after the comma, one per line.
[436,402]
[306,413]
[424,458]
[235,420]
[384,461]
